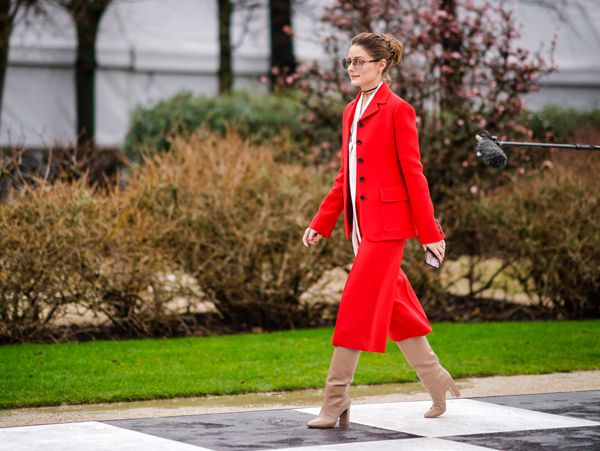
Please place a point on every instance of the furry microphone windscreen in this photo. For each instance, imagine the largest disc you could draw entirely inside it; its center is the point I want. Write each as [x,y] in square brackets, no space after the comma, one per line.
[491,154]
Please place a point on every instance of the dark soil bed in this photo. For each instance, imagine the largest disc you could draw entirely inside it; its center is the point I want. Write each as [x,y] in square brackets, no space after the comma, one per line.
[455,309]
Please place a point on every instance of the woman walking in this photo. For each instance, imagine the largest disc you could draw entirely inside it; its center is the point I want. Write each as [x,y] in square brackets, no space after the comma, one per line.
[385,198]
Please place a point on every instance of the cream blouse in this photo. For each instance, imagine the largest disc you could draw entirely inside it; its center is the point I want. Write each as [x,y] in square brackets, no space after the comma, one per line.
[356,237]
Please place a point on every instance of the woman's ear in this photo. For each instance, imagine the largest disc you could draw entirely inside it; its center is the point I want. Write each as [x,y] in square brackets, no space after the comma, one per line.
[384,65]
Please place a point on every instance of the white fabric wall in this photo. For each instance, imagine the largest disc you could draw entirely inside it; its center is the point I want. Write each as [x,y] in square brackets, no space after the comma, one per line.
[577,82]
[147,50]
[151,49]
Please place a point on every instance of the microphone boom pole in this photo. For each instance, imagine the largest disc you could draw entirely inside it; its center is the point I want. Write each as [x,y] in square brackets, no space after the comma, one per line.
[490,151]
[559,146]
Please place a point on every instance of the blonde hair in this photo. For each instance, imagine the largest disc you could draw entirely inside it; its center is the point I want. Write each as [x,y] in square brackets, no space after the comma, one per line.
[381,46]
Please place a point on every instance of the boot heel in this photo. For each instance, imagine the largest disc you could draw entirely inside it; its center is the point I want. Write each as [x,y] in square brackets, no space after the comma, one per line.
[454,389]
[345,418]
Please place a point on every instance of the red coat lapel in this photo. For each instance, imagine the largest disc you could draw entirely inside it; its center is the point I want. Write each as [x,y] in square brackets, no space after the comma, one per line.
[381,97]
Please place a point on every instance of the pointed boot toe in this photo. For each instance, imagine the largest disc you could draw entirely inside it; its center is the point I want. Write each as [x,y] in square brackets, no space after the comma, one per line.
[436,379]
[438,395]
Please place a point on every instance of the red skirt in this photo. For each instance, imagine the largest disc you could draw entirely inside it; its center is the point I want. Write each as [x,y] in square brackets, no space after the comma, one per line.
[378,300]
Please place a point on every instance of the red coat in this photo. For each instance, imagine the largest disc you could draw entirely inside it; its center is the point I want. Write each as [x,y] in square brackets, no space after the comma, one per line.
[392,190]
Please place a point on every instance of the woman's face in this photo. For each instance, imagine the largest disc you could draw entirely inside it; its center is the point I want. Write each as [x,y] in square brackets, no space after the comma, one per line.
[369,75]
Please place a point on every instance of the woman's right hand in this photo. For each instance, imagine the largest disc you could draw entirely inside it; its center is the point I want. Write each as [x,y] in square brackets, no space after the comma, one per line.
[311,237]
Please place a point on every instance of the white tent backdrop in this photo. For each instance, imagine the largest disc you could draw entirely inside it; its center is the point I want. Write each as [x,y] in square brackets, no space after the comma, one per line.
[151,49]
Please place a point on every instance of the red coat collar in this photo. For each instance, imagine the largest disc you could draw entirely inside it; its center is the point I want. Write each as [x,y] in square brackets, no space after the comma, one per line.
[381,97]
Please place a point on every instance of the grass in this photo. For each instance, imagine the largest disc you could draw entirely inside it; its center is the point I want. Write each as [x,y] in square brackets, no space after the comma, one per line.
[105,371]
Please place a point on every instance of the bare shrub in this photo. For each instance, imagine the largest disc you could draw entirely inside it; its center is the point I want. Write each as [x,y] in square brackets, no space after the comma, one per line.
[544,227]
[237,221]
[21,167]
[216,208]
[62,244]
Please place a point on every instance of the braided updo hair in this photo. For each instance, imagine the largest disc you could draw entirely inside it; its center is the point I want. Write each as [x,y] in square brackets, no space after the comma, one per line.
[381,46]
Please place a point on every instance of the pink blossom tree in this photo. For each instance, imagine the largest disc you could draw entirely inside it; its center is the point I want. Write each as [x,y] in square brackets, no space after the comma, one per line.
[462,71]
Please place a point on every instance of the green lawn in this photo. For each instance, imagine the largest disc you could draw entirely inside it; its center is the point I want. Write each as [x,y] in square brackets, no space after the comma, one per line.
[50,374]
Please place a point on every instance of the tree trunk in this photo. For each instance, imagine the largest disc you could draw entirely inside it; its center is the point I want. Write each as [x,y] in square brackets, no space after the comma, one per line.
[282,47]
[5,30]
[451,98]
[85,82]
[225,65]
[86,14]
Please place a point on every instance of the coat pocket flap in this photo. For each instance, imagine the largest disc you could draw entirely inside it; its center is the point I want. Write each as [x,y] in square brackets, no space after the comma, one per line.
[392,194]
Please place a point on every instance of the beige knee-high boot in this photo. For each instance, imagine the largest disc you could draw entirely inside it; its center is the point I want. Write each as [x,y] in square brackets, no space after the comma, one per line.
[336,403]
[432,375]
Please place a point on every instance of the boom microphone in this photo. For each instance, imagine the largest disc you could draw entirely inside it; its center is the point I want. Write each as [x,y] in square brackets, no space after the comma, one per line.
[490,152]
[489,148]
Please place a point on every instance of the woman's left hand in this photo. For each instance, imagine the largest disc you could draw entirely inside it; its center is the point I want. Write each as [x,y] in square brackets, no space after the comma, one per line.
[438,248]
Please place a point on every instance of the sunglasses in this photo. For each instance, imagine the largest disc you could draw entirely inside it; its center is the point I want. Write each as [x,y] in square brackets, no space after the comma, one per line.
[358,62]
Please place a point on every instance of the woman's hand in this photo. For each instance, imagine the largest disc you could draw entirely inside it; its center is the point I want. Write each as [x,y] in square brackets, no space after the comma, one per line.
[311,237]
[438,248]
